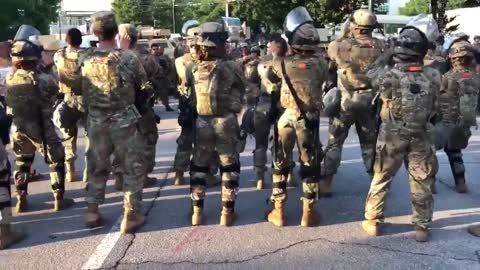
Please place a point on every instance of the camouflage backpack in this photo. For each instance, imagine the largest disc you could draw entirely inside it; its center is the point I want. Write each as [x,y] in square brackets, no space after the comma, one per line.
[412,99]
[108,82]
[468,87]
[68,71]
[23,95]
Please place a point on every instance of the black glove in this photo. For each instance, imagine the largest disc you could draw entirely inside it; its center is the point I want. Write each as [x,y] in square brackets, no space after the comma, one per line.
[312,121]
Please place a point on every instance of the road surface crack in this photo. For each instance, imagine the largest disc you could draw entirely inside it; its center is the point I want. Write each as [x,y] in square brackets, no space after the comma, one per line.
[319,239]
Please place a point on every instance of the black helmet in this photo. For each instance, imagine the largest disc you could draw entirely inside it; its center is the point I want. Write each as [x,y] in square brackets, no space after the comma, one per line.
[299,30]
[24,50]
[411,42]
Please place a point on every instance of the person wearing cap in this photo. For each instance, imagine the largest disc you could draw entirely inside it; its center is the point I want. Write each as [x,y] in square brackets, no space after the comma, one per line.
[30,98]
[219,88]
[300,77]
[147,124]
[408,93]
[458,104]
[113,80]
[351,55]
[72,109]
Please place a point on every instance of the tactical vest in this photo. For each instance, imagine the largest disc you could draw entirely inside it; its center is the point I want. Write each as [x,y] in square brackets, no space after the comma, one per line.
[464,87]
[412,101]
[251,72]
[354,58]
[69,73]
[305,73]
[108,81]
[23,95]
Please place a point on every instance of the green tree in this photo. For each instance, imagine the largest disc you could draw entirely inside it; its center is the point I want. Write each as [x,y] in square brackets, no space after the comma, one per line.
[415,7]
[133,11]
[39,13]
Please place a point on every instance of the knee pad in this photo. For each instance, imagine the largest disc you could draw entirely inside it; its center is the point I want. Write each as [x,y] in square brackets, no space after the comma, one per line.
[230,168]
[310,172]
[199,169]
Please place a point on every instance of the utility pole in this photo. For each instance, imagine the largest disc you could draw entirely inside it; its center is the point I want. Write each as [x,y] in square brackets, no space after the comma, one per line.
[370,5]
[173,16]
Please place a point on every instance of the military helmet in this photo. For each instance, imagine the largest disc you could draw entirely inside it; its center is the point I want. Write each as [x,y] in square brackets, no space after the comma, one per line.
[212,34]
[189,25]
[128,29]
[102,21]
[461,48]
[299,30]
[476,37]
[24,50]
[255,49]
[364,18]
[411,42]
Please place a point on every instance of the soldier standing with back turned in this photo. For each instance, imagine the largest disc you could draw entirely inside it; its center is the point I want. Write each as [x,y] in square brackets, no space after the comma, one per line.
[302,75]
[350,58]
[113,80]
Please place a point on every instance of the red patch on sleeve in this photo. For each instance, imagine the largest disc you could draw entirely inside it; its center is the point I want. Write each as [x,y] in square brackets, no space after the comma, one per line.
[466,76]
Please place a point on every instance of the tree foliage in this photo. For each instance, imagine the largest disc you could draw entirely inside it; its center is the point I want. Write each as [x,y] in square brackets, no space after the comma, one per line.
[133,11]
[39,13]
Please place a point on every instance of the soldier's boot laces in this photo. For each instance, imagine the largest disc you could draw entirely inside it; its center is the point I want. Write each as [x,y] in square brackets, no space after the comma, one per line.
[291,182]
[325,186]
[8,236]
[227,216]
[474,230]
[70,172]
[22,203]
[118,181]
[310,217]
[60,202]
[276,216]
[197,216]
[132,221]
[260,179]
[213,180]
[421,234]
[178,178]
[92,217]
[149,182]
[370,227]
[461,185]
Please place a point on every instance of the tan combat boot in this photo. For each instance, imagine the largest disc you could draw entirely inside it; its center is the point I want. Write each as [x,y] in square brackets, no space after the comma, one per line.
[474,230]
[421,234]
[70,172]
[149,182]
[178,178]
[227,216]
[197,216]
[118,181]
[92,217]
[460,185]
[22,203]
[132,221]
[60,202]
[325,186]
[276,215]
[8,236]
[370,227]
[260,178]
[310,217]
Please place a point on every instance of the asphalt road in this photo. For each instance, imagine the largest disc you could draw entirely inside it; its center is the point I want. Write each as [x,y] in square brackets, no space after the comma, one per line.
[61,241]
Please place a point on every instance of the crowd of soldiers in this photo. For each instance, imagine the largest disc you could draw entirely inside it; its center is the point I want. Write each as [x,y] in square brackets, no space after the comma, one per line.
[406,100]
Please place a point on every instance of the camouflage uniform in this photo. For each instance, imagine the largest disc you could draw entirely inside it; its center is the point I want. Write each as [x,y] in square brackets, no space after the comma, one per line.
[302,74]
[113,81]
[66,61]
[166,65]
[352,56]
[408,93]
[458,103]
[219,87]
[30,99]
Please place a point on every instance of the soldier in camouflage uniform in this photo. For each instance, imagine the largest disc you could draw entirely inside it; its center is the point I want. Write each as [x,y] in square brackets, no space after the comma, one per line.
[72,109]
[302,75]
[30,98]
[8,236]
[350,57]
[219,87]
[113,80]
[167,66]
[458,104]
[147,124]
[408,95]
[267,110]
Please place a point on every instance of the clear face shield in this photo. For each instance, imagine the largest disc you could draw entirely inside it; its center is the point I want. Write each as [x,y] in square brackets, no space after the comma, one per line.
[25,31]
[296,18]
[189,24]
